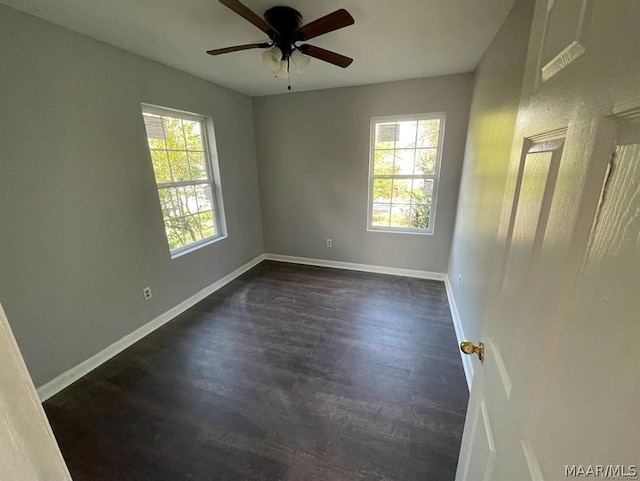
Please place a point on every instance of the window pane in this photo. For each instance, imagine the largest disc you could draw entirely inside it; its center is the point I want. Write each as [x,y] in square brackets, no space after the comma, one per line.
[175,232]
[207,223]
[155,131]
[428,131]
[426,161]
[179,166]
[192,228]
[400,216]
[406,134]
[169,203]
[404,161]
[420,216]
[402,190]
[422,190]
[175,137]
[193,135]
[382,190]
[156,143]
[198,166]
[383,162]
[204,197]
[386,135]
[188,200]
[380,215]
[160,166]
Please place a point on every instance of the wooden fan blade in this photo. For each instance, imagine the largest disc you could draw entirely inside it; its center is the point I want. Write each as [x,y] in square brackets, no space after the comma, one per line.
[237,48]
[326,55]
[338,19]
[248,14]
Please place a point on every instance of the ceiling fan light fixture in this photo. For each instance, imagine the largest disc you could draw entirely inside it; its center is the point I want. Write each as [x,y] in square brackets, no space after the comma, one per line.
[272,58]
[283,25]
[300,60]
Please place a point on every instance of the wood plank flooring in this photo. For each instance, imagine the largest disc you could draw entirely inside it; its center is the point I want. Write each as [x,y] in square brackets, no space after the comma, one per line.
[290,372]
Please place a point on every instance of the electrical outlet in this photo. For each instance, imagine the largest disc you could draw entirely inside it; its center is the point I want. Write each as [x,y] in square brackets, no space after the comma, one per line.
[146,293]
[329,242]
[459,280]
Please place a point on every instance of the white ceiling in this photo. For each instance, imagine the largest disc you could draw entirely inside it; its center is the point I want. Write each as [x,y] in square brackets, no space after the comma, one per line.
[391,39]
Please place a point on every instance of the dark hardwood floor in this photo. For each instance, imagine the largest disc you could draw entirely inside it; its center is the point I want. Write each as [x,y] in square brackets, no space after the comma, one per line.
[289,372]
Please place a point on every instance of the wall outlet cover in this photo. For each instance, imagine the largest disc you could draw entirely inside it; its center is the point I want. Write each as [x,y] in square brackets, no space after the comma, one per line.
[146,293]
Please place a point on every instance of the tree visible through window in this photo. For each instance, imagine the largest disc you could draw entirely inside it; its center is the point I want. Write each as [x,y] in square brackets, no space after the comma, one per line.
[180,154]
[404,171]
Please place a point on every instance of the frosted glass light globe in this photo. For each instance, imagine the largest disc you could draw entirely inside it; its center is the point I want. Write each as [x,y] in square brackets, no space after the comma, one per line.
[300,60]
[272,58]
[283,70]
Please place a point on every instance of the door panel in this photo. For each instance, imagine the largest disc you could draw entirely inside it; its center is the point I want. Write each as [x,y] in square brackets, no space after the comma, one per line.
[499,370]
[534,193]
[564,32]
[479,465]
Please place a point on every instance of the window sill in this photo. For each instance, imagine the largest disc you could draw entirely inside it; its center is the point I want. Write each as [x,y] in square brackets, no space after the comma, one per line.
[195,246]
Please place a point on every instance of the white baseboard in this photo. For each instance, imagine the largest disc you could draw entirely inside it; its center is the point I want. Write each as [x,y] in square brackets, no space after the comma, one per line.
[467,365]
[394,271]
[68,377]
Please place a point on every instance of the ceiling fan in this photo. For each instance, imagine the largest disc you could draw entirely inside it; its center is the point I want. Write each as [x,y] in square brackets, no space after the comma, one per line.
[283,27]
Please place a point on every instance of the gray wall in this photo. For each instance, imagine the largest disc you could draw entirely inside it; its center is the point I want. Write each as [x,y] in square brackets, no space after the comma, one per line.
[81,230]
[313,159]
[476,252]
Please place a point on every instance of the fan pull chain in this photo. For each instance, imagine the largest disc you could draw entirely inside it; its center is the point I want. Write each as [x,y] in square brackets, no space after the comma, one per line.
[288,74]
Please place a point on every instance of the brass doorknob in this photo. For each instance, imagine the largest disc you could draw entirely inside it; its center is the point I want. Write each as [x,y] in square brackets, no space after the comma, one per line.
[470,348]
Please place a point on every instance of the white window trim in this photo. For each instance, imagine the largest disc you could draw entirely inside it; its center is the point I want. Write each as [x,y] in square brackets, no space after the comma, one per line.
[213,168]
[436,176]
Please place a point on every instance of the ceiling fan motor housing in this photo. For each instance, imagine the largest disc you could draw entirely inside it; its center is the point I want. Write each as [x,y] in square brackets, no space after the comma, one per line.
[286,21]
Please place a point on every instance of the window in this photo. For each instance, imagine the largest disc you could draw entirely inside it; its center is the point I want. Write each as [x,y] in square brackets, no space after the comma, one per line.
[185,166]
[403,172]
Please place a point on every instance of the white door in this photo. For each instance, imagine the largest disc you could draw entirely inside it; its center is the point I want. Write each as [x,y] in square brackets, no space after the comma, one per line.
[28,450]
[558,393]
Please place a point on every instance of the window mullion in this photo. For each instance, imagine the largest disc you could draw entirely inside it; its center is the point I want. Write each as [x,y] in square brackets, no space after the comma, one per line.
[184,183]
[166,150]
[420,176]
[415,151]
